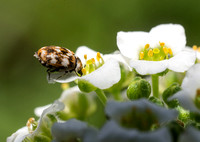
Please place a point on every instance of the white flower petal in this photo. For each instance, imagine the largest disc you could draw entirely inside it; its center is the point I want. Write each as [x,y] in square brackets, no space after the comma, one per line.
[182,61]
[82,50]
[130,43]
[191,81]
[120,58]
[149,67]
[67,93]
[19,135]
[62,77]
[173,35]
[39,110]
[185,100]
[191,50]
[105,76]
[190,84]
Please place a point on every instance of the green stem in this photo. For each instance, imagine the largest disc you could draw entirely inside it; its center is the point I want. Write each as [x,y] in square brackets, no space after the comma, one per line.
[155,85]
[101,96]
[117,96]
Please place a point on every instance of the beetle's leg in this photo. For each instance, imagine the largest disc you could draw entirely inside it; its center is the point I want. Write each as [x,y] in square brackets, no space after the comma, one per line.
[49,71]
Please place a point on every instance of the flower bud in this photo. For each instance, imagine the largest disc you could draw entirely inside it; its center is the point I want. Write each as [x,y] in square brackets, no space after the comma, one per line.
[156,101]
[170,91]
[139,88]
[85,86]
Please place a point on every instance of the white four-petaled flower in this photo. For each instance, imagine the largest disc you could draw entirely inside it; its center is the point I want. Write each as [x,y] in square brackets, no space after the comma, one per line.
[170,36]
[104,77]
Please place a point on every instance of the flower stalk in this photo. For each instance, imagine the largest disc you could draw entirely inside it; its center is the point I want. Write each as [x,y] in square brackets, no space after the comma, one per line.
[155,85]
[101,96]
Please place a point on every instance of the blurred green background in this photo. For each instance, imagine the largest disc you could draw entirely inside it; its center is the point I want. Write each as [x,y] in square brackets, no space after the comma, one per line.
[27,25]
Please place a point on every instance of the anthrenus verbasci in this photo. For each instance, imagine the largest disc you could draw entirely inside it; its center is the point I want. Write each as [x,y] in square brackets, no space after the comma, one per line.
[58,59]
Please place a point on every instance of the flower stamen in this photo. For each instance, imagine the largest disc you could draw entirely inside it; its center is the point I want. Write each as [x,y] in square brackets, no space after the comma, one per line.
[170,51]
[150,53]
[84,71]
[141,55]
[98,57]
[194,47]
[147,46]
[165,50]
[91,61]
[162,43]
[31,124]
[85,56]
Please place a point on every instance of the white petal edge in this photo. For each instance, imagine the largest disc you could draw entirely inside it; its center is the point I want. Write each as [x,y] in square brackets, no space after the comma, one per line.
[82,50]
[120,58]
[19,135]
[149,67]
[105,76]
[63,77]
[68,93]
[39,110]
[182,61]
[185,100]
[191,82]
[130,43]
[173,35]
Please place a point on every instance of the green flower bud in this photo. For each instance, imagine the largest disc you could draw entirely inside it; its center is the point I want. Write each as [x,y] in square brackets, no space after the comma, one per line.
[156,101]
[85,86]
[184,115]
[174,88]
[139,88]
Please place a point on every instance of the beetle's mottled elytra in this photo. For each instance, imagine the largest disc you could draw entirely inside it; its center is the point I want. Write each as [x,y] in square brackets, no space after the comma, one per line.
[57,58]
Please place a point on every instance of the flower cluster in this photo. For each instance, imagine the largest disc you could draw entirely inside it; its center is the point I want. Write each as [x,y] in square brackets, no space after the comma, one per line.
[114,99]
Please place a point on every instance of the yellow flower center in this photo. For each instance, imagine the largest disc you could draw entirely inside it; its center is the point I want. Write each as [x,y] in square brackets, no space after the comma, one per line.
[156,50]
[92,64]
[155,54]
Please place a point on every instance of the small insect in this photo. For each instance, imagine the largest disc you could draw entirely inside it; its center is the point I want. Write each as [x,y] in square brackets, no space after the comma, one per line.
[58,59]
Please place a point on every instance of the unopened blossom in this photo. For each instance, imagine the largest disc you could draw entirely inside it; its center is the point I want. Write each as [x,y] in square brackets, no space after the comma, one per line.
[155,51]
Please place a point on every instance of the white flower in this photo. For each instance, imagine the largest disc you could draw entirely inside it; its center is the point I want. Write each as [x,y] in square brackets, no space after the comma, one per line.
[103,77]
[19,135]
[190,88]
[39,110]
[69,97]
[155,51]
[196,49]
